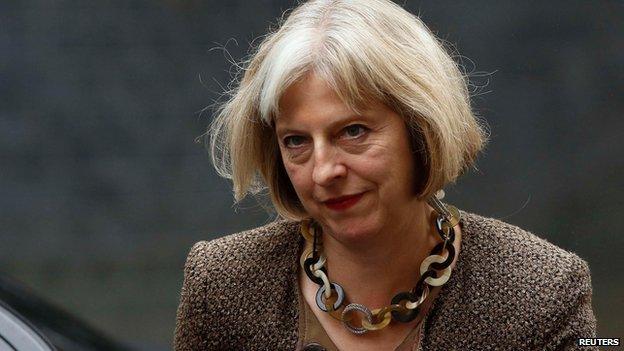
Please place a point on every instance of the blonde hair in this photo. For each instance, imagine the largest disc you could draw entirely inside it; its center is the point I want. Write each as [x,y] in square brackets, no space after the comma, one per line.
[366,50]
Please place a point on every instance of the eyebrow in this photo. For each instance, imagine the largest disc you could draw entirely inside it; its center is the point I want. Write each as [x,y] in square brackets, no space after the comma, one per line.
[331,125]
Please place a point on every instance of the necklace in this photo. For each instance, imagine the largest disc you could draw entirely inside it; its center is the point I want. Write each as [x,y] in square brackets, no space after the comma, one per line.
[405,306]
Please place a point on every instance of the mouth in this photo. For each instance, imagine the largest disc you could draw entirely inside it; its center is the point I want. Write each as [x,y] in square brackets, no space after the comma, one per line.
[343,202]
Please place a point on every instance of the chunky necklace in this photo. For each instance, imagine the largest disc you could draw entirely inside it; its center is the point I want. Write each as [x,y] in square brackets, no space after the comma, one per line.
[405,306]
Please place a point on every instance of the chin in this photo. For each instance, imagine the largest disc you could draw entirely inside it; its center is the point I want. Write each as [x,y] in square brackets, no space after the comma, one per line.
[352,230]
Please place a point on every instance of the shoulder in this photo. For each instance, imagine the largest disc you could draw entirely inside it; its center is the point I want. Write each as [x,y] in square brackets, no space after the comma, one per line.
[238,287]
[509,279]
[266,246]
[498,246]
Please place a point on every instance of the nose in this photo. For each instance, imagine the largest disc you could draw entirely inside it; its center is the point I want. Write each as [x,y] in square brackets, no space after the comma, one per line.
[327,166]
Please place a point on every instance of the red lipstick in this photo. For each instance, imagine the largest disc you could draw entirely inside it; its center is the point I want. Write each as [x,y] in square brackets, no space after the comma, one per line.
[343,202]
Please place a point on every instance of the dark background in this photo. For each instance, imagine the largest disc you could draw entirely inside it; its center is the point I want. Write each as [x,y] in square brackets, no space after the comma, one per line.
[103,189]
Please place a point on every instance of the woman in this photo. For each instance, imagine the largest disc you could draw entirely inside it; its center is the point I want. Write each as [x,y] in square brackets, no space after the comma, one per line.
[354,117]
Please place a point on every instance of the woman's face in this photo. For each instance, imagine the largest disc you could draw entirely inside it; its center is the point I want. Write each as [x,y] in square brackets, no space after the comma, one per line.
[353,173]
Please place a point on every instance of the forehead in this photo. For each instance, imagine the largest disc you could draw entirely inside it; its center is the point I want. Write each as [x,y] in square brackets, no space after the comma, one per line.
[308,94]
[314,98]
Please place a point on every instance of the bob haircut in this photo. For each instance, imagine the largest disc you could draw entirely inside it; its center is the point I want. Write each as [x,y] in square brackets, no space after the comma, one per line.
[366,50]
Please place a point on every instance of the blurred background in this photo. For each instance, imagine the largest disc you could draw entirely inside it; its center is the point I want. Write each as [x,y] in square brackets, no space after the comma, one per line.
[103,188]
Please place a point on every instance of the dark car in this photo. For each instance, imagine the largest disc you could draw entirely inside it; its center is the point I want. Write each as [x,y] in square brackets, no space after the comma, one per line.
[28,323]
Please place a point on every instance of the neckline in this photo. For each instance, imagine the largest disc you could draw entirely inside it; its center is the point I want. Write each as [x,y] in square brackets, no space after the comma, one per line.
[437,304]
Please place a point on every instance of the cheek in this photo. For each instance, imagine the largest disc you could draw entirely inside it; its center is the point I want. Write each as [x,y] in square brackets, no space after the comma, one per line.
[378,162]
[299,179]
[387,164]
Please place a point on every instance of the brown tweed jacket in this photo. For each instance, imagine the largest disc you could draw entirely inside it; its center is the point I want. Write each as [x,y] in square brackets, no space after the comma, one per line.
[510,290]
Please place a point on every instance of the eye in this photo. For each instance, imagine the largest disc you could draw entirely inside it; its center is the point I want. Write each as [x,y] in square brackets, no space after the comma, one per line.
[355,130]
[293,141]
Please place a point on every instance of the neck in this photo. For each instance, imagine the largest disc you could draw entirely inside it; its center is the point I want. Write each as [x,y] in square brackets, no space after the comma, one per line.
[387,263]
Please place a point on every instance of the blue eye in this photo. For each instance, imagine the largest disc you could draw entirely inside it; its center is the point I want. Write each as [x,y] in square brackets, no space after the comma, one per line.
[293,141]
[355,130]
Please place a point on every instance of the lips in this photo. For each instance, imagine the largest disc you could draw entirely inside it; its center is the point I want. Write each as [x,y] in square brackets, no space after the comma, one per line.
[343,202]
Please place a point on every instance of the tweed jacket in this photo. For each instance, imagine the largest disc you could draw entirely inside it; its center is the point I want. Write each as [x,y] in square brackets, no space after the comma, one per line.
[509,290]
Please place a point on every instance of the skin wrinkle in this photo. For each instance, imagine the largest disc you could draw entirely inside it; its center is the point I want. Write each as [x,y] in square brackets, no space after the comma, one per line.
[374,146]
